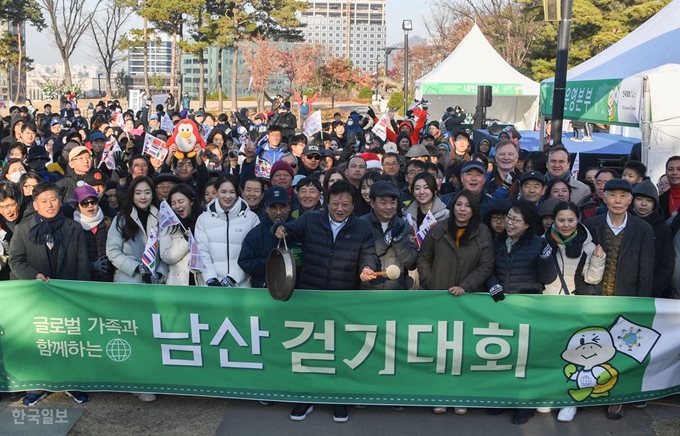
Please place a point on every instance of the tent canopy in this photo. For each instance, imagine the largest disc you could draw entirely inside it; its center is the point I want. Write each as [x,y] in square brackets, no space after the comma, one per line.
[608,87]
[473,63]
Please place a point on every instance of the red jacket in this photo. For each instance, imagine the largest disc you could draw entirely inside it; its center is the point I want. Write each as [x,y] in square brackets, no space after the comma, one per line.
[413,133]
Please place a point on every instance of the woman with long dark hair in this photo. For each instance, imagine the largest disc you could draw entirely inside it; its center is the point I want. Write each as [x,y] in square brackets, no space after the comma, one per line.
[424,189]
[457,254]
[174,241]
[129,233]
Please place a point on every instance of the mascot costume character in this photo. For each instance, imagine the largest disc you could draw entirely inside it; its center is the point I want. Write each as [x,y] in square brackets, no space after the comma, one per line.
[187,138]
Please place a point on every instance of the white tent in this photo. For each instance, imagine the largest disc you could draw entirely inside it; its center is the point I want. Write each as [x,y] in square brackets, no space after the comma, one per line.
[474,62]
[635,82]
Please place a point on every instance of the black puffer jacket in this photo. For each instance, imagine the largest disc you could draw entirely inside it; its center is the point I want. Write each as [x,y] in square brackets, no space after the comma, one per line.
[399,251]
[664,254]
[522,271]
[328,264]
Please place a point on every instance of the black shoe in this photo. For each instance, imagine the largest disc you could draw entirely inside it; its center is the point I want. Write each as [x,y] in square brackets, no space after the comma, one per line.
[301,411]
[496,412]
[522,416]
[340,413]
[615,411]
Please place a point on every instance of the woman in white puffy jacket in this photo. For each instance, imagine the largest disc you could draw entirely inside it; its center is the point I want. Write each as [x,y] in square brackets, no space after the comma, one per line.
[580,261]
[129,232]
[220,232]
[174,241]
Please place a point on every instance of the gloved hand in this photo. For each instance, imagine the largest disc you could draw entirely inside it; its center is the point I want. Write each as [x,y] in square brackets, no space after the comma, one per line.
[121,167]
[497,293]
[228,282]
[143,269]
[547,252]
[213,282]
[397,231]
[371,112]
[102,265]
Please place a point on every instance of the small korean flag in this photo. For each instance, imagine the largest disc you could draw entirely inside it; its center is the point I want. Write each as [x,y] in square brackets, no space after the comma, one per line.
[632,339]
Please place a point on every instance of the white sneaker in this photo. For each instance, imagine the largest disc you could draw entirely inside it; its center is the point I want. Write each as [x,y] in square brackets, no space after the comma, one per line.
[566,414]
[460,410]
[543,410]
[146,398]
[439,410]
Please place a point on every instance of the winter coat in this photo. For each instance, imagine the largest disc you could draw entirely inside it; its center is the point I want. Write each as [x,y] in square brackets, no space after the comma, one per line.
[126,255]
[439,210]
[256,248]
[27,259]
[414,131]
[579,271]
[220,235]
[664,255]
[442,264]
[484,200]
[173,247]
[96,248]
[399,251]
[329,264]
[69,184]
[522,271]
[635,267]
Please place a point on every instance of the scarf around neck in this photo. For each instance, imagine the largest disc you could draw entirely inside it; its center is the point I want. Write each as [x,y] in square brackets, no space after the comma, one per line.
[47,230]
[88,223]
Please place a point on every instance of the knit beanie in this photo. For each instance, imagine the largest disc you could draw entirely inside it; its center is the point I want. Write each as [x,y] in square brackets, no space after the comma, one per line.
[281,165]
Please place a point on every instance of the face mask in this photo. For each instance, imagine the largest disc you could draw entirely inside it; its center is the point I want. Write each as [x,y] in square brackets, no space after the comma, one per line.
[350,122]
[15,176]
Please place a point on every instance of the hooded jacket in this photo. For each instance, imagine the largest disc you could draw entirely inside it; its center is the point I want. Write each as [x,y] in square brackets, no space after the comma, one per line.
[413,132]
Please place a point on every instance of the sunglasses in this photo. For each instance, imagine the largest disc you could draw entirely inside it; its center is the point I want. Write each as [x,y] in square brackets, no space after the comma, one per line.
[314,157]
[86,203]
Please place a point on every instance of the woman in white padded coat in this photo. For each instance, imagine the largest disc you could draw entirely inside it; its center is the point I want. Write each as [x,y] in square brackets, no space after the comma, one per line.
[220,232]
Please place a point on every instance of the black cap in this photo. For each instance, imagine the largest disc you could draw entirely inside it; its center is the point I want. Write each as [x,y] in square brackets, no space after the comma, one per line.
[311,149]
[473,165]
[383,188]
[532,175]
[95,177]
[276,195]
[37,152]
[618,185]
[166,177]
[523,153]
[462,133]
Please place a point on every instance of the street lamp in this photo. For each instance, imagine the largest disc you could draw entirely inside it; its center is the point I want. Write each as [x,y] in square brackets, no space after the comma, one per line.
[406,25]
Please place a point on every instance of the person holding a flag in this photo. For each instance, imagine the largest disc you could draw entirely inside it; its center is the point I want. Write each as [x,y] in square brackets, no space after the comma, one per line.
[177,219]
[127,245]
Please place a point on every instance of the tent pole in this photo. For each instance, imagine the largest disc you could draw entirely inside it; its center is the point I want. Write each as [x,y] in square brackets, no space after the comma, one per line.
[645,122]
[561,66]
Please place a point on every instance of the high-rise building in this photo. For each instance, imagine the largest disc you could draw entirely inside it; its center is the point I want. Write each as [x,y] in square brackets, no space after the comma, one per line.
[159,55]
[351,29]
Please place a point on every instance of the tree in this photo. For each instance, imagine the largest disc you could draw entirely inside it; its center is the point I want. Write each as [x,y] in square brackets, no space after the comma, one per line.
[137,39]
[107,35]
[299,64]
[18,13]
[337,73]
[262,58]
[10,59]
[244,20]
[122,84]
[446,30]
[156,82]
[421,60]
[68,20]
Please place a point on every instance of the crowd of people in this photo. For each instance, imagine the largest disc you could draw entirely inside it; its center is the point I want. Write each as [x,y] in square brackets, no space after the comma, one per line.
[451,212]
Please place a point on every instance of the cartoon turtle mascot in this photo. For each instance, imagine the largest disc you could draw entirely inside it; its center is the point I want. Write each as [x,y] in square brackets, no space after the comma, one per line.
[588,352]
[187,137]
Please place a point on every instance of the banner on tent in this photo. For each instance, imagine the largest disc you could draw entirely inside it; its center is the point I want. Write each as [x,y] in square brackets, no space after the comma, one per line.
[396,347]
[613,101]
[514,89]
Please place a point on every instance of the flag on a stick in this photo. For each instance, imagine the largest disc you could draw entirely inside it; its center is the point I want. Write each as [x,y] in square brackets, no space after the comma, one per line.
[151,250]
[155,147]
[313,123]
[195,260]
[380,128]
[167,217]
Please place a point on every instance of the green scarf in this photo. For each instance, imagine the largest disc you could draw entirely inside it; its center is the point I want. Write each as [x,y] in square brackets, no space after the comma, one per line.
[558,238]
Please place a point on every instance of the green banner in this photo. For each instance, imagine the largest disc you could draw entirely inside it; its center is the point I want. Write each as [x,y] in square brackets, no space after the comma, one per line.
[471,89]
[356,347]
[610,101]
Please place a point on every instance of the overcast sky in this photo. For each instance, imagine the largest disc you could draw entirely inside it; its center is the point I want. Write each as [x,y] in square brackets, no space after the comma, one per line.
[40,46]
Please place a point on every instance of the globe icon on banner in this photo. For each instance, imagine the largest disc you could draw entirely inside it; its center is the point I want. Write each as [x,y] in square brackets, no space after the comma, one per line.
[118,350]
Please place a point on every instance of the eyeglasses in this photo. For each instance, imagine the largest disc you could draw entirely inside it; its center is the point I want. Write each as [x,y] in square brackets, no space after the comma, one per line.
[512,220]
[498,218]
[86,202]
[184,165]
[27,186]
[390,164]
[293,165]
[81,159]
[314,157]
[9,206]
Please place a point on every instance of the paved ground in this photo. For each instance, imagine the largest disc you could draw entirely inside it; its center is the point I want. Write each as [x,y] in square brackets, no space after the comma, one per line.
[122,414]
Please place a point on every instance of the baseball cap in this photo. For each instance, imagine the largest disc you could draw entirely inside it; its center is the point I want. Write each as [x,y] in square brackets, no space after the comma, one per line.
[55,121]
[276,195]
[77,151]
[311,149]
[153,117]
[532,175]
[37,152]
[473,165]
[97,135]
[95,177]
